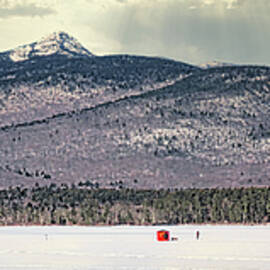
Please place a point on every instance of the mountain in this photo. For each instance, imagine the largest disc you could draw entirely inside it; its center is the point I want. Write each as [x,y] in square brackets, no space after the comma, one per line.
[61,78]
[214,64]
[59,43]
[134,121]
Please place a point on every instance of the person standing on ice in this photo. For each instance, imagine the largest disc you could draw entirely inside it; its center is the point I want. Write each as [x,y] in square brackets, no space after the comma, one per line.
[197,235]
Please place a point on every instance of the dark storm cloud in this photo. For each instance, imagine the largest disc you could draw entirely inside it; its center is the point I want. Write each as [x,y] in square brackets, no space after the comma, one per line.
[24,10]
[194,31]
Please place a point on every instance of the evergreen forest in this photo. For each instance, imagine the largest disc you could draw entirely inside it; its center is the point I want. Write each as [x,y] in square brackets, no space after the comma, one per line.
[87,204]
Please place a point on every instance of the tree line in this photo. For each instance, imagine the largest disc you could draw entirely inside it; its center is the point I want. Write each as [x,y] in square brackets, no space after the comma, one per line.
[91,205]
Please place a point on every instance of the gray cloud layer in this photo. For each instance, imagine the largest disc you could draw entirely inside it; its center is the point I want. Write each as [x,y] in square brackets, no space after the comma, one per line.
[193,31]
[23,10]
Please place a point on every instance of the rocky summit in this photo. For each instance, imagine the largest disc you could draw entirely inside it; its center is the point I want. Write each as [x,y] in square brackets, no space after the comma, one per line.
[57,43]
[69,116]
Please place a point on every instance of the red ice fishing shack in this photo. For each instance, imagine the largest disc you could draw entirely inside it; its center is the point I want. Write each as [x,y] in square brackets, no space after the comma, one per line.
[163,235]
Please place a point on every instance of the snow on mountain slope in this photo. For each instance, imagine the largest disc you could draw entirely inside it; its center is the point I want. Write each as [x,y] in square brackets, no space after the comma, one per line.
[56,43]
[214,64]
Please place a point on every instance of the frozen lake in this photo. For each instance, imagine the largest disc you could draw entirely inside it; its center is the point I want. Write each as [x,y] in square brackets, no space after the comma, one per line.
[132,247]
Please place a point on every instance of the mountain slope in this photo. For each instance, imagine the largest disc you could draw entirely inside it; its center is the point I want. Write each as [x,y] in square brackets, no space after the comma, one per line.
[44,85]
[209,129]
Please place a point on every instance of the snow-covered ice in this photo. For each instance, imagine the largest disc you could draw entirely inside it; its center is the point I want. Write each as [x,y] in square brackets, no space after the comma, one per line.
[134,248]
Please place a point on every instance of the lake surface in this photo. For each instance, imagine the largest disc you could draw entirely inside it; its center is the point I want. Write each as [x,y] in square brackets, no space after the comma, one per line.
[134,248]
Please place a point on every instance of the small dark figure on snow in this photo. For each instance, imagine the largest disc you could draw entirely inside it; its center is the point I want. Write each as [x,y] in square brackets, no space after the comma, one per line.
[197,235]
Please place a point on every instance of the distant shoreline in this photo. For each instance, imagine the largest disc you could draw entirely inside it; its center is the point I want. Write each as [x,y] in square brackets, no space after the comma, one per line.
[142,225]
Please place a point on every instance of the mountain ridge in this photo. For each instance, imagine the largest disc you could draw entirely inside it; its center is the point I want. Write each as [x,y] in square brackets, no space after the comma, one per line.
[43,86]
[149,131]
[145,122]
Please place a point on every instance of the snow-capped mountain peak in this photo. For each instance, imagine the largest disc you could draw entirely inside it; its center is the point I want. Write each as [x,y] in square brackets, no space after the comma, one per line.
[215,64]
[57,43]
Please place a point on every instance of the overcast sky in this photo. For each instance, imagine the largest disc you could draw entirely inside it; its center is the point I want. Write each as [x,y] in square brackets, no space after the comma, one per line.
[193,31]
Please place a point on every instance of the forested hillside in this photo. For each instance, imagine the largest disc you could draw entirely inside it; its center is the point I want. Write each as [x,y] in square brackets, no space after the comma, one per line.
[86,204]
[68,116]
[44,86]
[210,129]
